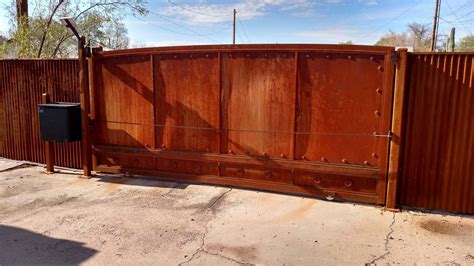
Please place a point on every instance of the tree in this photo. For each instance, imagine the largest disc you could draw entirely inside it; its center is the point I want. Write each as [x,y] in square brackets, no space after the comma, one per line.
[466,44]
[41,35]
[349,42]
[417,36]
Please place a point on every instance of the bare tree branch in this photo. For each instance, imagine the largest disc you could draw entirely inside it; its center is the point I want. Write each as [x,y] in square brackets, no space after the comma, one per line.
[43,38]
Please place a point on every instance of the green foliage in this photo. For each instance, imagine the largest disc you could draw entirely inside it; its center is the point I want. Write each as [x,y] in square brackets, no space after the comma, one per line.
[466,44]
[41,35]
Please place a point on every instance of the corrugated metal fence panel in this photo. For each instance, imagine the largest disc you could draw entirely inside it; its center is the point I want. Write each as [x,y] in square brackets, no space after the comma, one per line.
[438,166]
[21,84]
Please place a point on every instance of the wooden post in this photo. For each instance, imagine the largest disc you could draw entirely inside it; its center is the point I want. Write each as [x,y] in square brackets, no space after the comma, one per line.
[49,145]
[84,98]
[397,116]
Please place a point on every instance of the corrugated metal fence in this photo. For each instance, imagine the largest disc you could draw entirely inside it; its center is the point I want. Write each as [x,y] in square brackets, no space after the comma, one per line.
[438,163]
[21,84]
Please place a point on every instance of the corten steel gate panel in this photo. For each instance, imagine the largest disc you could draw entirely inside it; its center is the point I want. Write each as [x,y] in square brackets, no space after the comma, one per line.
[306,119]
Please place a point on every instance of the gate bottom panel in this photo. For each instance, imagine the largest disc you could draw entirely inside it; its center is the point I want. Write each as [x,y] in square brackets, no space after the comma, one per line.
[355,184]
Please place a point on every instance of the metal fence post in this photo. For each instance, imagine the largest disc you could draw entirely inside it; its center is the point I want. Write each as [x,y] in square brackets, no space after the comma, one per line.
[396,129]
[84,98]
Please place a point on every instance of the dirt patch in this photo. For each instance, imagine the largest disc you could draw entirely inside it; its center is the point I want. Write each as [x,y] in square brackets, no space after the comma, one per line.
[243,253]
[445,228]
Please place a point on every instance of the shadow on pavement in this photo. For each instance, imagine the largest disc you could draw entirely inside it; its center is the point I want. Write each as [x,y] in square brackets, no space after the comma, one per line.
[19,246]
[143,181]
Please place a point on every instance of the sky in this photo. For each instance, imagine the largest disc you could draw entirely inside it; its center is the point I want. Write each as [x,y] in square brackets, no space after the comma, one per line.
[187,22]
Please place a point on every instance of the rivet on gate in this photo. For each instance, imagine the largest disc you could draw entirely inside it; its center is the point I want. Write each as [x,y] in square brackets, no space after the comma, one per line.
[374,155]
[268,174]
[348,183]
[345,161]
[146,145]
[264,154]
[379,90]
[191,56]
[163,146]
[230,55]
[282,155]
[328,56]
[317,180]
[349,57]
[231,152]
[366,163]
[380,68]
[303,157]
[371,58]
[266,55]
[247,55]
[175,56]
[377,113]
[284,55]
[323,159]
[307,56]
[207,55]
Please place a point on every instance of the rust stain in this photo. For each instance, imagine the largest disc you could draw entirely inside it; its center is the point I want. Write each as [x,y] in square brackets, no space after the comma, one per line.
[299,212]
[446,228]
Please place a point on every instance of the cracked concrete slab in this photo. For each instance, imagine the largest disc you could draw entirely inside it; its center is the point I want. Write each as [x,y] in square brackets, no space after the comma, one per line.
[62,219]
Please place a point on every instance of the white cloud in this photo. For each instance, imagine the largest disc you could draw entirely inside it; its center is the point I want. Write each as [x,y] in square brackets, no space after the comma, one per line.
[200,13]
[330,35]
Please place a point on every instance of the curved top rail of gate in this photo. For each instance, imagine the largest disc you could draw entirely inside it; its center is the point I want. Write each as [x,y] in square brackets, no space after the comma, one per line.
[363,49]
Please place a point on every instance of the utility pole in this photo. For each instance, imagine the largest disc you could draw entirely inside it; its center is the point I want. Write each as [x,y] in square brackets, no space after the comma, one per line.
[233,31]
[435,25]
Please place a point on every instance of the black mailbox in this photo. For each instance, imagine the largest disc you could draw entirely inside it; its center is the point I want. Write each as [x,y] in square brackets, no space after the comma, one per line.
[60,122]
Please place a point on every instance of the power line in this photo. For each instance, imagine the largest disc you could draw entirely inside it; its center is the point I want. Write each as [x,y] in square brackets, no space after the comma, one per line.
[461,7]
[454,14]
[243,28]
[457,21]
[240,37]
[163,28]
[184,27]
[390,21]
[194,11]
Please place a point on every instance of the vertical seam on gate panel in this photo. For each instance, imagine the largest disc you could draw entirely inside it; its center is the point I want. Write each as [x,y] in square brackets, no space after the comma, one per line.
[219,96]
[295,109]
[155,137]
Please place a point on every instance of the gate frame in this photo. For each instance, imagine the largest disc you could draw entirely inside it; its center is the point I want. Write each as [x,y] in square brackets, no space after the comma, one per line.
[396,110]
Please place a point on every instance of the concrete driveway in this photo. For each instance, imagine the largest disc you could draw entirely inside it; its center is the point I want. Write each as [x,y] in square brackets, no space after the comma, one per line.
[116,220]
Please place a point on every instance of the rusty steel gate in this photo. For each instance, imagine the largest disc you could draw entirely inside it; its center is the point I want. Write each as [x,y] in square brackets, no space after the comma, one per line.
[304,119]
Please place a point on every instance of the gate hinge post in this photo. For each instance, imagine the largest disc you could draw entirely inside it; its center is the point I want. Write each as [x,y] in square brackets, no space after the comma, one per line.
[395,57]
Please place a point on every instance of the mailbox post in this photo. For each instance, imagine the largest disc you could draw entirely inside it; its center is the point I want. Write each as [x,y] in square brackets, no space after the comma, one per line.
[49,145]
